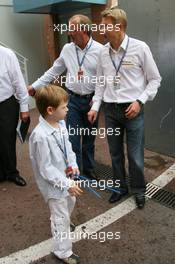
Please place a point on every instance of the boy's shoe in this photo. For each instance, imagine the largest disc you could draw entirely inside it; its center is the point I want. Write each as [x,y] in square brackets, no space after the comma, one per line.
[73,259]
[72,227]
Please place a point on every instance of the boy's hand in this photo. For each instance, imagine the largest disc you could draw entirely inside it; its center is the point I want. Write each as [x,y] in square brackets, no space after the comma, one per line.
[75,190]
[75,171]
[71,172]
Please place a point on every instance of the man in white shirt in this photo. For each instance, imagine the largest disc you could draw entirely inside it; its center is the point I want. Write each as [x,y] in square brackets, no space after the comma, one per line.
[79,59]
[131,79]
[13,95]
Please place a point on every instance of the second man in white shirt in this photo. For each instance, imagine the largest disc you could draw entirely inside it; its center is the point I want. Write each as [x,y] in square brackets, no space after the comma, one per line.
[131,79]
[79,60]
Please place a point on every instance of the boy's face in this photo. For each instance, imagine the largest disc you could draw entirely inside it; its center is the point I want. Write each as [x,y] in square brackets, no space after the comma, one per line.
[58,113]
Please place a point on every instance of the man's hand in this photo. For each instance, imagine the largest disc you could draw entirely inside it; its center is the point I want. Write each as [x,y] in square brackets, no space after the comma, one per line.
[132,110]
[24,116]
[75,190]
[31,90]
[92,116]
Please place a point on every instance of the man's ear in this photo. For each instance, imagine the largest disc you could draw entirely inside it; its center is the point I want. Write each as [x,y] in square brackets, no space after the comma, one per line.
[50,110]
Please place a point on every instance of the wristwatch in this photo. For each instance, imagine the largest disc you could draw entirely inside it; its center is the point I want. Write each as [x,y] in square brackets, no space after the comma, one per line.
[140,103]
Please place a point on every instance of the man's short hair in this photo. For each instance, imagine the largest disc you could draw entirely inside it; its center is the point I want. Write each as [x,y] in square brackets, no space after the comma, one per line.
[118,15]
[50,95]
[84,22]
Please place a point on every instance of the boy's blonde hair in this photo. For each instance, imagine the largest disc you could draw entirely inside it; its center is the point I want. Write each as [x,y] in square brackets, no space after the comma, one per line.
[50,95]
[118,15]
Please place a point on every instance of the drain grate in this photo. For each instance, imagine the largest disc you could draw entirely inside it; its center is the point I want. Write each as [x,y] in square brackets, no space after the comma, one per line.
[160,195]
[103,171]
[166,198]
[152,191]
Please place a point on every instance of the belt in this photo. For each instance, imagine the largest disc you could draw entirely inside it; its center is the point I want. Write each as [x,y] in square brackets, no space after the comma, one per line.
[8,99]
[119,104]
[80,95]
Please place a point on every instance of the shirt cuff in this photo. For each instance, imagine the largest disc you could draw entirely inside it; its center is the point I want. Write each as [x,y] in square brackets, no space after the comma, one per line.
[96,106]
[36,85]
[143,98]
[74,165]
[24,108]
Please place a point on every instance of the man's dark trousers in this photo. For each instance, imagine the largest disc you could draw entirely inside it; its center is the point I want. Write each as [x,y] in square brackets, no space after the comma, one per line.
[9,115]
[134,129]
[82,140]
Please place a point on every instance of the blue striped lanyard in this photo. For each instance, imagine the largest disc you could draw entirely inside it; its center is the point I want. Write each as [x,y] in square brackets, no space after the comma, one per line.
[62,148]
[121,61]
[80,63]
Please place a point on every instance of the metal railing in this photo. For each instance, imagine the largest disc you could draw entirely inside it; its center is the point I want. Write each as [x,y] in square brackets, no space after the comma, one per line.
[22,62]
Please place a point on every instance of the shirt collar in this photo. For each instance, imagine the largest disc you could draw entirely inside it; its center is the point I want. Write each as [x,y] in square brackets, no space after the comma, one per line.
[47,127]
[123,45]
[87,45]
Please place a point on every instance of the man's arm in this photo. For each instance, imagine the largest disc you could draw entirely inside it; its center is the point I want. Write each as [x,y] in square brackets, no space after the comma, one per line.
[19,86]
[57,69]
[152,76]
[99,91]
[153,79]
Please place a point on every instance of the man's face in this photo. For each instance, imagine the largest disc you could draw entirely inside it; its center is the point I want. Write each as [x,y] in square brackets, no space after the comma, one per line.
[111,30]
[75,33]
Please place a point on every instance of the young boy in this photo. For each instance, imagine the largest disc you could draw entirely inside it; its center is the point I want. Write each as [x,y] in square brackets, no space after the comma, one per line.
[52,161]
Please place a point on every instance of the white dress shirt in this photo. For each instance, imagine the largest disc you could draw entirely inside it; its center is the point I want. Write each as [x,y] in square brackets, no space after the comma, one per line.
[139,75]
[48,161]
[67,61]
[11,79]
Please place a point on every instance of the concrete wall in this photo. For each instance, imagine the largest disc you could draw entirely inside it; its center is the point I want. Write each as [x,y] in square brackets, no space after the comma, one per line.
[24,34]
[153,22]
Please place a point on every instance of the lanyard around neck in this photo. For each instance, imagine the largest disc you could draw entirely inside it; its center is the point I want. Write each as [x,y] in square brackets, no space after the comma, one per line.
[62,148]
[121,61]
[80,63]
